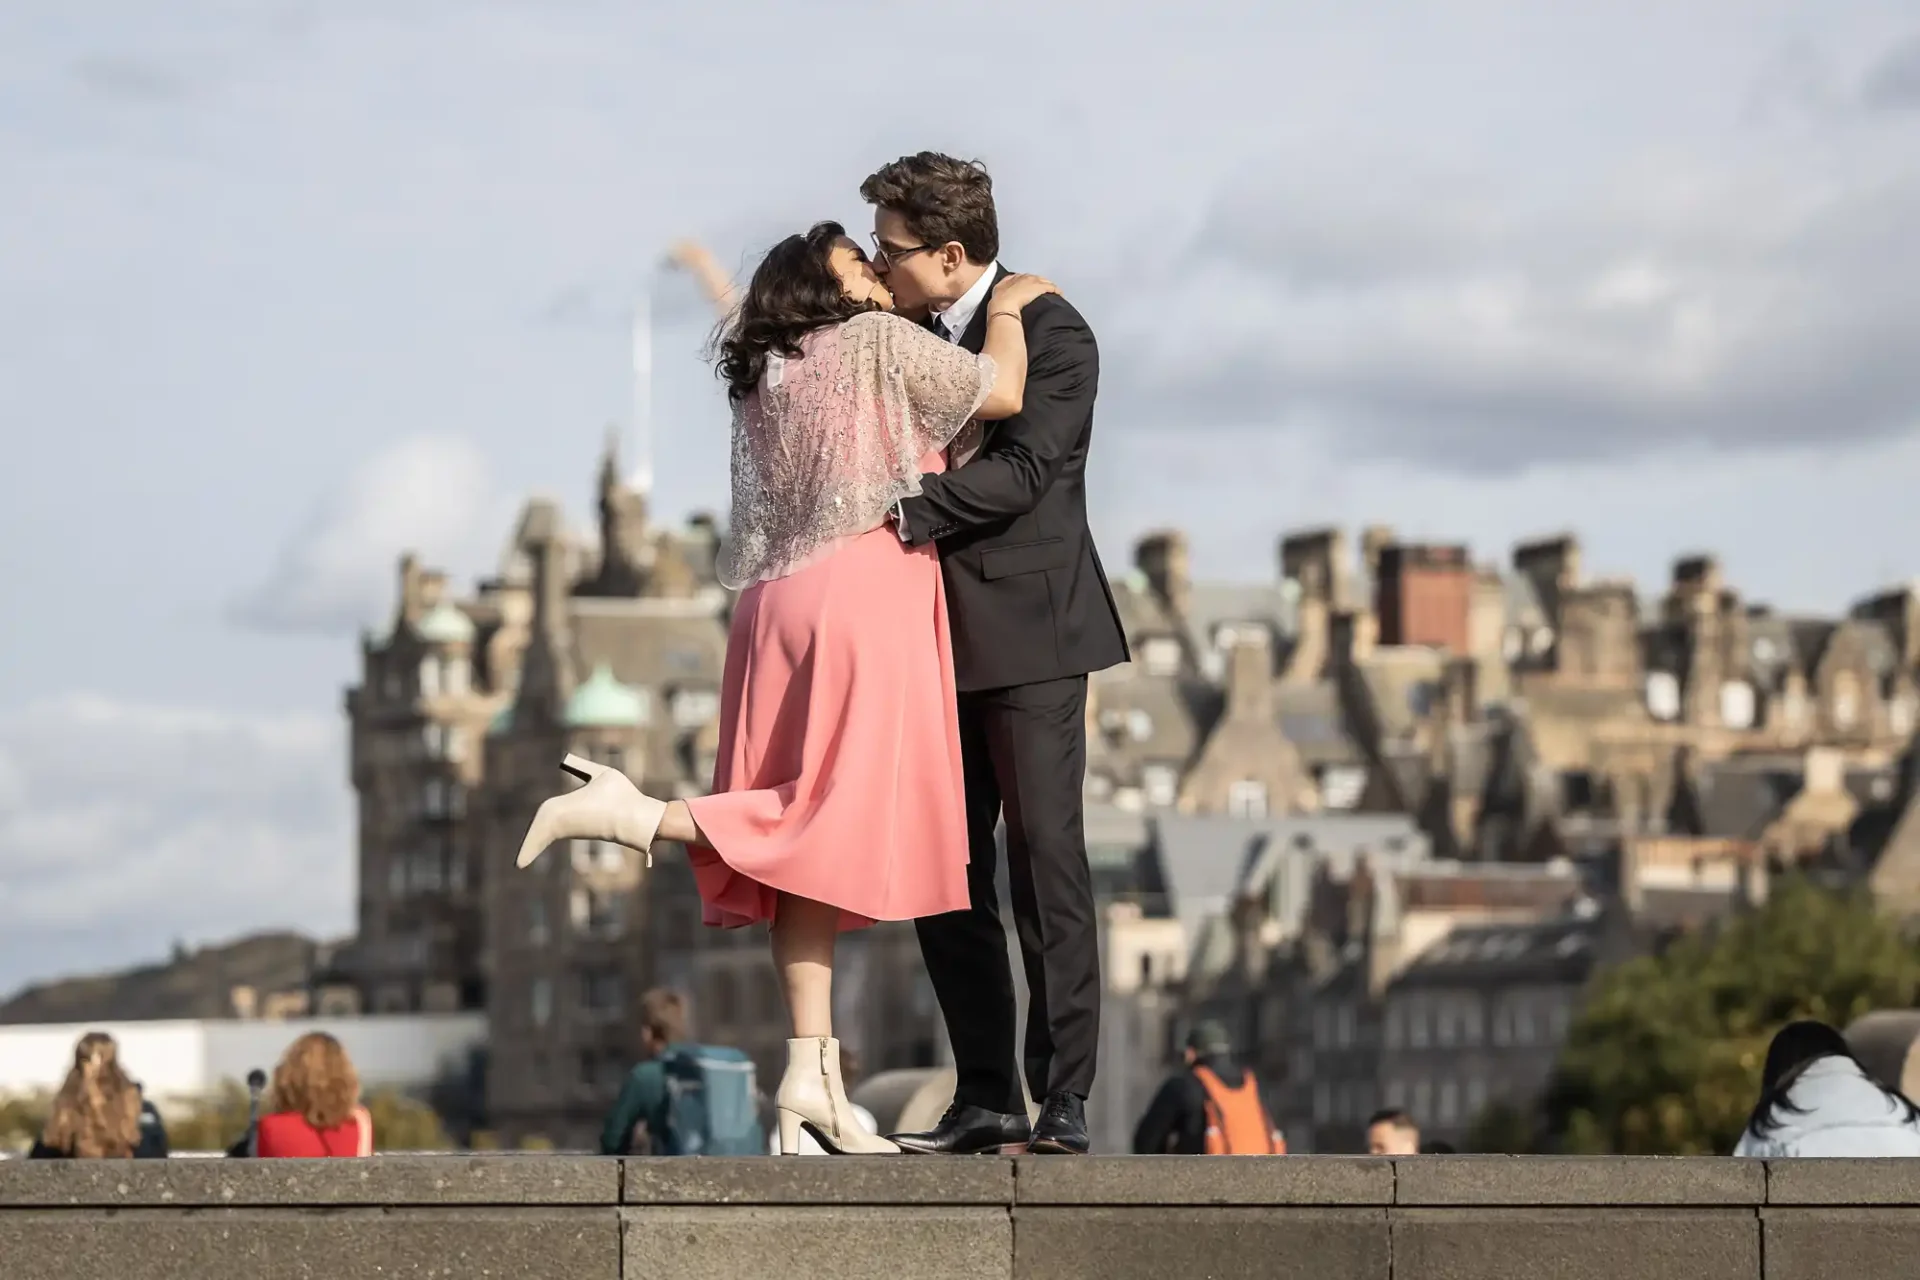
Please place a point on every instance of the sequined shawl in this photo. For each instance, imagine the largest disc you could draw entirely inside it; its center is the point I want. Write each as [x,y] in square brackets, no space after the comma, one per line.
[829,441]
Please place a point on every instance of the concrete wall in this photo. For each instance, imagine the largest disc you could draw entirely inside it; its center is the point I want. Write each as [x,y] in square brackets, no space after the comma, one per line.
[890,1218]
[177,1060]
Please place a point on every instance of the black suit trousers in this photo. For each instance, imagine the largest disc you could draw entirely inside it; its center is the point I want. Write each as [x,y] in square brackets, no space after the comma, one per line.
[1024,750]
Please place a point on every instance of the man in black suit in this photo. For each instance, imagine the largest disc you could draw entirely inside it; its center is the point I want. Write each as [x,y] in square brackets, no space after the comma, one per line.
[1032,615]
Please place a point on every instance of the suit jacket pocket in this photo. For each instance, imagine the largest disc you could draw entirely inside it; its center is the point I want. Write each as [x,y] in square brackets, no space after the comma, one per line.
[1025,557]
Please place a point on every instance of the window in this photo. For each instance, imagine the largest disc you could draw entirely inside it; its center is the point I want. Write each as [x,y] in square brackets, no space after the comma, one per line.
[1417,1024]
[1322,1103]
[1395,1028]
[1736,704]
[456,870]
[1443,1022]
[1449,1102]
[1396,1094]
[1557,1018]
[589,1068]
[537,933]
[1322,1028]
[1900,716]
[1523,1023]
[602,991]
[1162,656]
[397,878]
[695,707]
[1247,799]
[1846,701]
[1139,725]
[1341,786]
[433,798]
[1471,1017]
[1540,641]
[1663,695]
[541,1002]
[1161,783]
[433,740]
[429,677]
[1502,1026]
[1422,1100]
[1476,1096]
[597,913]
[1345,1025]
[456,800]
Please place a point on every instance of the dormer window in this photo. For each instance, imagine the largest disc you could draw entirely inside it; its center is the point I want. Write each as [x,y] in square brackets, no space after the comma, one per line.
[1663,695]
[1736,704]
[1161,655]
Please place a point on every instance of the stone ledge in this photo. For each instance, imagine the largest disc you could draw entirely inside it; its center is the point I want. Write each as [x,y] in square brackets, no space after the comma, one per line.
[1860,1244]
[1576,1244]
[1841,1181]
[1253,1242]
[1578,1180]
[333,1244]
[837,1180]
[383,1180]
[1203,1180]
[844,1242]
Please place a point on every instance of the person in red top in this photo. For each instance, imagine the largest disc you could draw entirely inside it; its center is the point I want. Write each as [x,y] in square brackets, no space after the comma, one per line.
[316,1096]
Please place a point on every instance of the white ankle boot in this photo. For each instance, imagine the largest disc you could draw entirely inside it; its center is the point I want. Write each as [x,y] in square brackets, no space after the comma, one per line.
[812,1096]
[609,807]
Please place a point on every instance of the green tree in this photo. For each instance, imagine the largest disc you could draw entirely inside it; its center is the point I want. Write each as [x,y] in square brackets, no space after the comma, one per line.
[1503,1129]
[209,1124]
[1665,1056]
[401,1123]
[22,1117]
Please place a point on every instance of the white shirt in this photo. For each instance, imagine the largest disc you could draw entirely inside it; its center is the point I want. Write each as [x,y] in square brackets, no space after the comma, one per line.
[950,324]
[953,322]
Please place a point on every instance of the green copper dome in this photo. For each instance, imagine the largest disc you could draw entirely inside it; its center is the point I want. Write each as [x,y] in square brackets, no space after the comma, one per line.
[603,702]
[445,624]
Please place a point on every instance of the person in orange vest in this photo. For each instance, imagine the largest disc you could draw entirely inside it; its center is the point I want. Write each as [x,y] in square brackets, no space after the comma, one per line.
[1211,1108]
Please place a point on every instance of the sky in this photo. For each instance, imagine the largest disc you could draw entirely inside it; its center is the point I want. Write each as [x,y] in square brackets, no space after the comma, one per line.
[289,288]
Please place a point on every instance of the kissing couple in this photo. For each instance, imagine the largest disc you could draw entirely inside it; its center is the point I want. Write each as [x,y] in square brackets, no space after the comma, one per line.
[921,604]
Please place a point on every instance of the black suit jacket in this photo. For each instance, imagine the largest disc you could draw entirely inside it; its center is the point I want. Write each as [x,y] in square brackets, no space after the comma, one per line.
[1026,596]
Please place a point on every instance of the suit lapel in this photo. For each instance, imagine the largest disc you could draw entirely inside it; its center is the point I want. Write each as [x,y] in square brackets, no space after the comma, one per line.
[976,335]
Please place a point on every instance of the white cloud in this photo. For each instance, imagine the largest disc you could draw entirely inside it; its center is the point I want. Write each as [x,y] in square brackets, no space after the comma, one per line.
[430,495]
[124,827]
[1740,302]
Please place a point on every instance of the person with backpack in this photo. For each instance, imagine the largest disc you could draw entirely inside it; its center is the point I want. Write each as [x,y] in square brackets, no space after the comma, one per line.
[1212,1107]
[683,1099]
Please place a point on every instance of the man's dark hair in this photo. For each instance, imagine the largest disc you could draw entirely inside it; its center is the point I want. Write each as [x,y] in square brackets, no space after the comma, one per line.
[1393,1116]
[663,1015]
[942,200]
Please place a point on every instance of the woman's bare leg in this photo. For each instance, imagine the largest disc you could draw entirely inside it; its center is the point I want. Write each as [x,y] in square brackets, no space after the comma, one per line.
[804,932]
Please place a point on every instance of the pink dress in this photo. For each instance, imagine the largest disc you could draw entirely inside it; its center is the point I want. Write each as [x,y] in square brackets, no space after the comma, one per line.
[838,776]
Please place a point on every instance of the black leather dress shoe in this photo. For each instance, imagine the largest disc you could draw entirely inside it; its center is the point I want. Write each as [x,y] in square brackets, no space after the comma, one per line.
[967,1130]
[1062,1130]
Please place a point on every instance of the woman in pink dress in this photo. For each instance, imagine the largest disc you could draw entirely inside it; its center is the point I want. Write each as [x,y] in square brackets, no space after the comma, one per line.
[837,797]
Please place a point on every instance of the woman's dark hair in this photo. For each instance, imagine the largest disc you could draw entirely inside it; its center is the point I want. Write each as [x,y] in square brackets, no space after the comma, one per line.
[1798,1046]
[793,292]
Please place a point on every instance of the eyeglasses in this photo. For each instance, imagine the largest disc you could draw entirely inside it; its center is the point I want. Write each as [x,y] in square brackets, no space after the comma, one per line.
[884,257]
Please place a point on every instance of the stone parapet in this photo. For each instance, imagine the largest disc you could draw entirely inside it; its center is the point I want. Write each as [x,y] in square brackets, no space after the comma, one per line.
[909,1218]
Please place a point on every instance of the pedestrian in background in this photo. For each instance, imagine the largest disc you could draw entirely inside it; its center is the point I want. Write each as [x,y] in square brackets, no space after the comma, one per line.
[1392,1133]
[1211,1107]
[99,1113]
[1817,1100]
[316,1101]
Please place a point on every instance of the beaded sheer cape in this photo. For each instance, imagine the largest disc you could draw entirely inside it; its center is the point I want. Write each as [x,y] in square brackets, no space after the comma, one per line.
[830,440]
